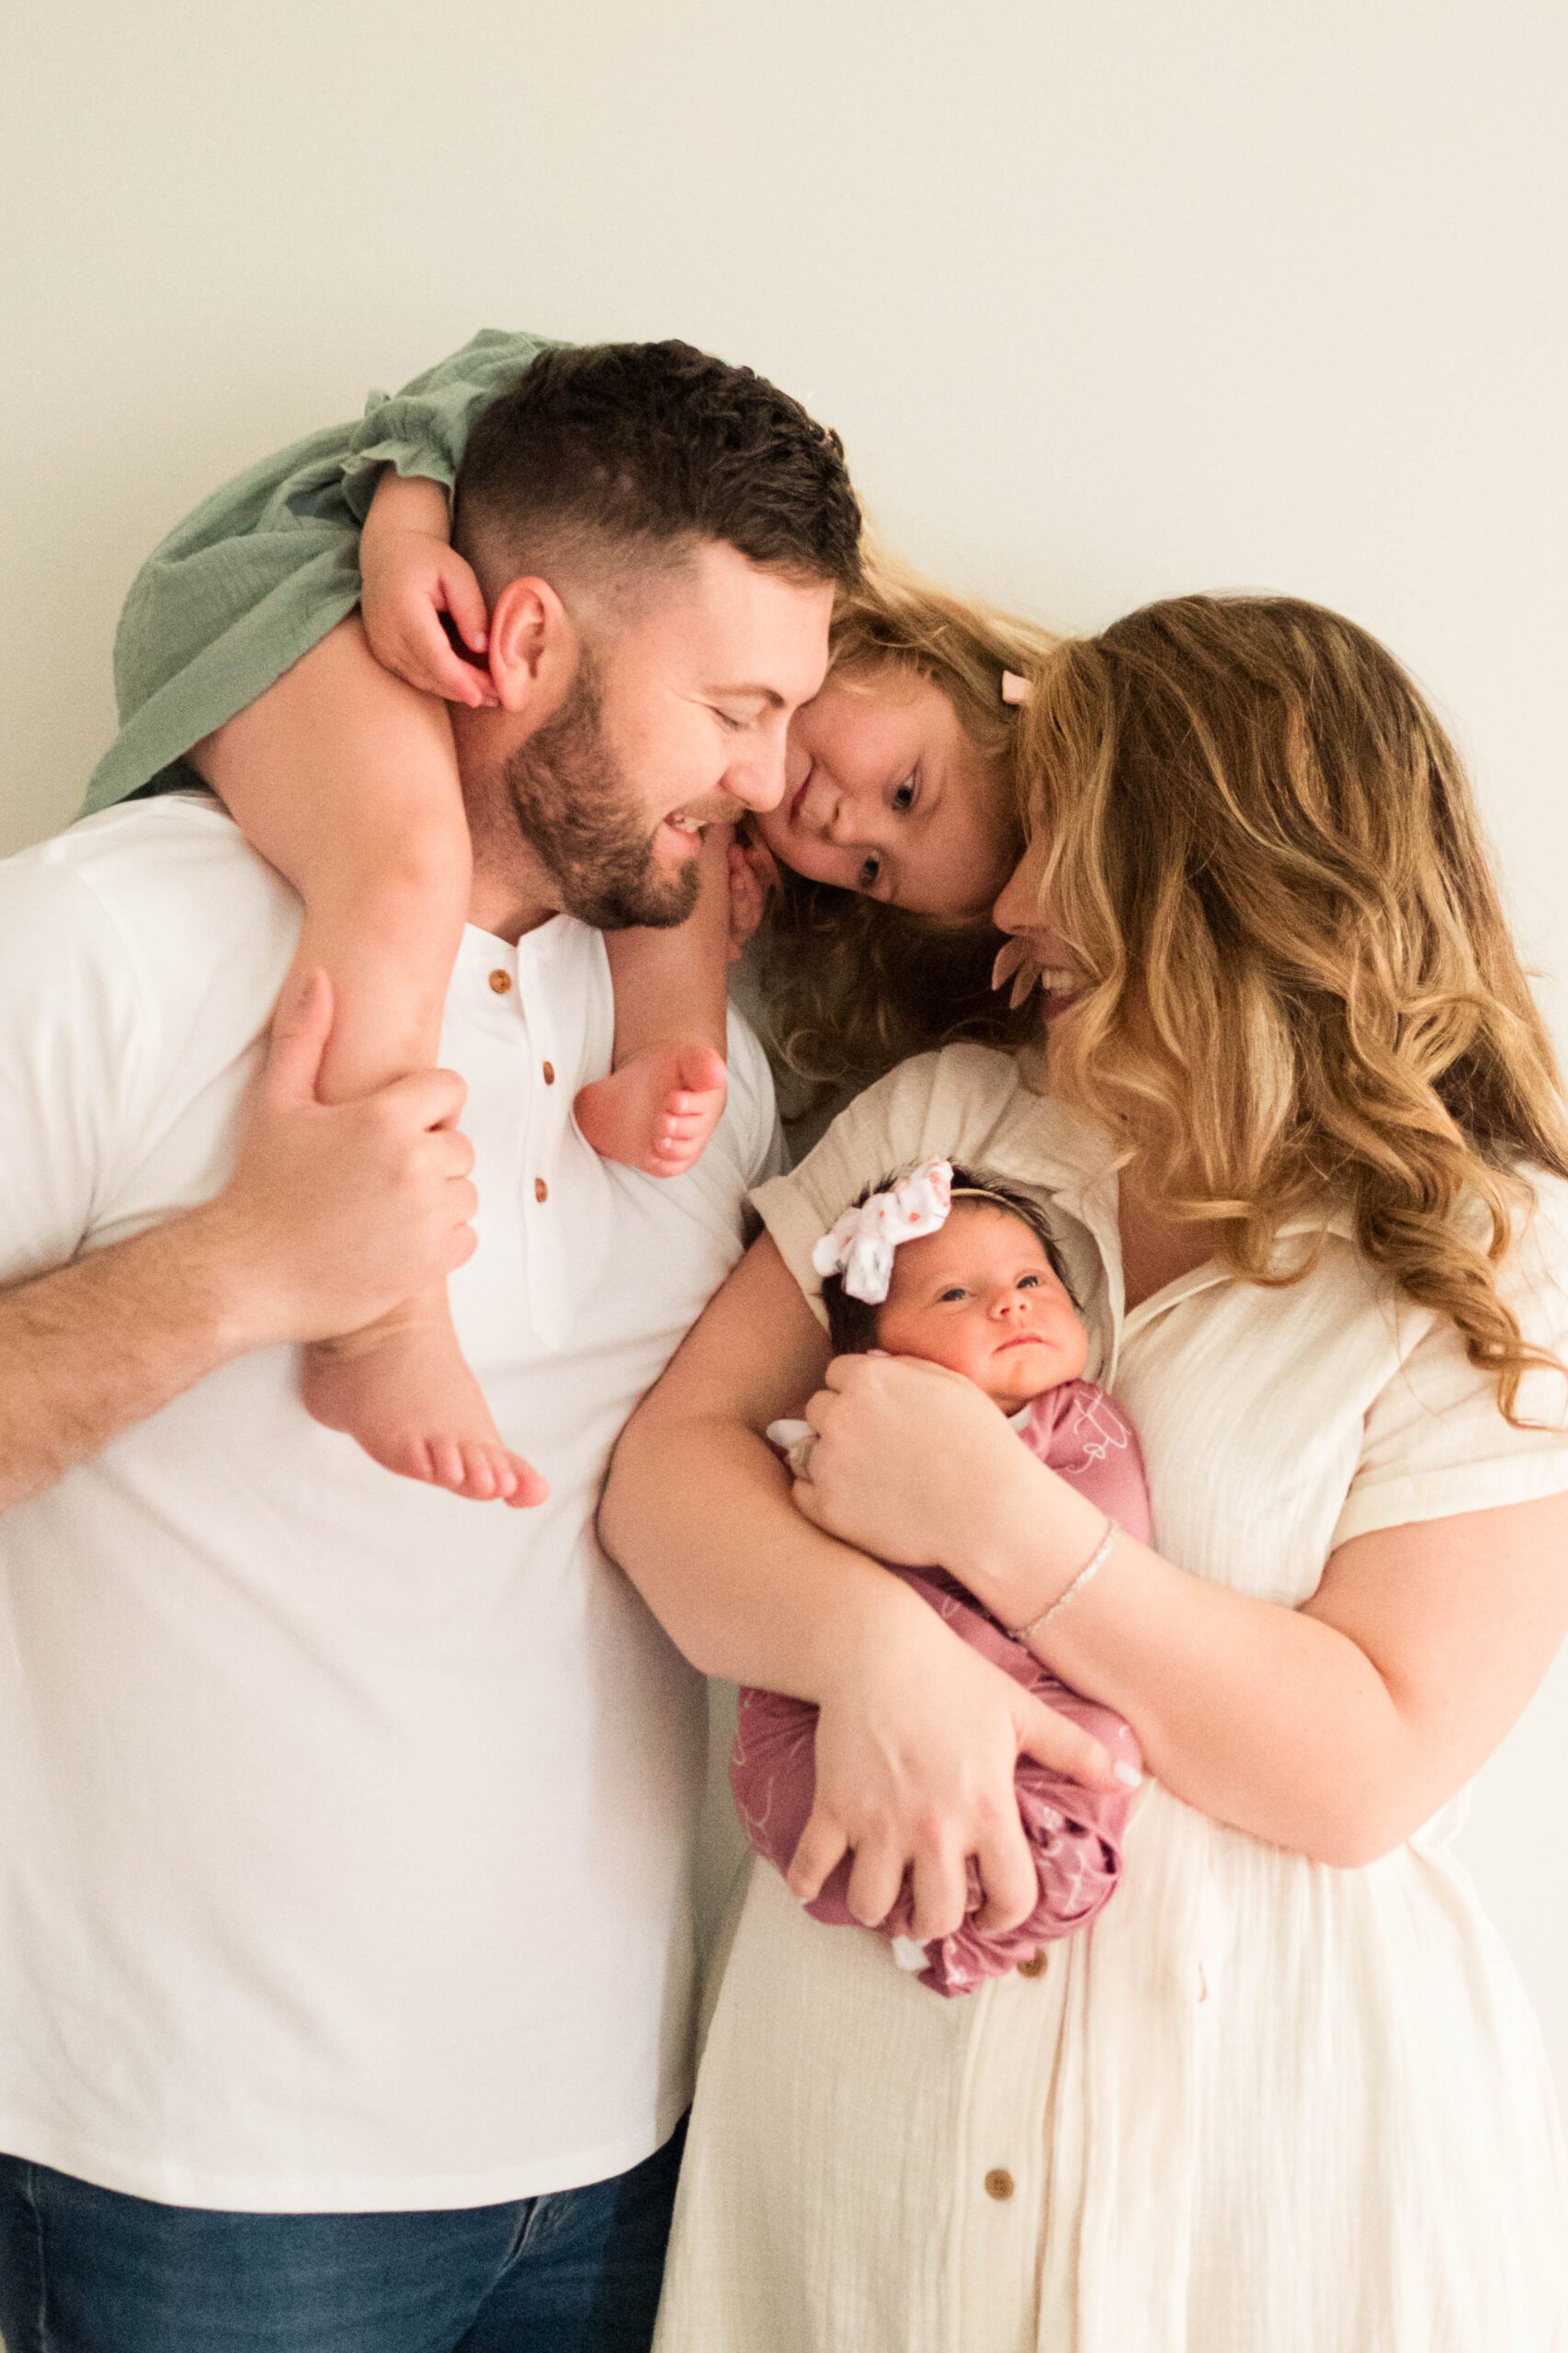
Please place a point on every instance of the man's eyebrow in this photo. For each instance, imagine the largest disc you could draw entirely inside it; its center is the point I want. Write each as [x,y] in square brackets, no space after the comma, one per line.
[769,695]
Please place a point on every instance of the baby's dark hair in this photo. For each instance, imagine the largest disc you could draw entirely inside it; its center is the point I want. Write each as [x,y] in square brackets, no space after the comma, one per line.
[852,1322]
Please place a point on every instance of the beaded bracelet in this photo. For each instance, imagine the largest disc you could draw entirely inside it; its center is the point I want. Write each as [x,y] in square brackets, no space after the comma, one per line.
[1097,1560]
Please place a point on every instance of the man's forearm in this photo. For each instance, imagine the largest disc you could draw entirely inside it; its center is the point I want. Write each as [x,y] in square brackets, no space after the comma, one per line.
[97,1346]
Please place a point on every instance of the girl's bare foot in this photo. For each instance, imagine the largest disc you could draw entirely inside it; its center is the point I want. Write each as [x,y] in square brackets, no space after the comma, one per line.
[657,1111]
[403,1389]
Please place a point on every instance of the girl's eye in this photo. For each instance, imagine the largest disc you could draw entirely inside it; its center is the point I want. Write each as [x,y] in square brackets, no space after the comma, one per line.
[727,718]
[869,868]
[903,799]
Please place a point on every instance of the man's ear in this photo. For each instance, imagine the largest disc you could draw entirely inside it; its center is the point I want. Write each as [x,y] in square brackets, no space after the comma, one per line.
[534,647]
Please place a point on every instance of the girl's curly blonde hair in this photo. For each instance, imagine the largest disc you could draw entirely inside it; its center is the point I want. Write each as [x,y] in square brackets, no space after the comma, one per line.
[1259,848]
[852,986]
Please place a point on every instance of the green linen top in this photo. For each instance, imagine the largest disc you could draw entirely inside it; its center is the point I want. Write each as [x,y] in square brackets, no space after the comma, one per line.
[265,566]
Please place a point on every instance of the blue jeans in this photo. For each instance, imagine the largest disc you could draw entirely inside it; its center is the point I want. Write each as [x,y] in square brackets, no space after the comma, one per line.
[86,2270]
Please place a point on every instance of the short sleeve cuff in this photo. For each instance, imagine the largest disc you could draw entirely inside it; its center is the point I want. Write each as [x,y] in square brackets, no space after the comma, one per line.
[383,440]
[1524,1478]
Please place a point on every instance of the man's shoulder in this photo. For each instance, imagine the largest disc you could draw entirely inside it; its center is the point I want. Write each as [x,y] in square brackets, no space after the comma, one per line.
[141,860]
[167,890]
[150,941]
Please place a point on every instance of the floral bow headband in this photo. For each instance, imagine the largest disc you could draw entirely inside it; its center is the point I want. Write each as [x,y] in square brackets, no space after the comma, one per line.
[860,1247]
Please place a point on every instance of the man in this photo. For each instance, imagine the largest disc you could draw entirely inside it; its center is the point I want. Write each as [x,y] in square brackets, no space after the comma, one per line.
[344,1832]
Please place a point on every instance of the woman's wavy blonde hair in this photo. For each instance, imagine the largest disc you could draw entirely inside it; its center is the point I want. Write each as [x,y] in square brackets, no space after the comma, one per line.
[852,986]
[1261,847]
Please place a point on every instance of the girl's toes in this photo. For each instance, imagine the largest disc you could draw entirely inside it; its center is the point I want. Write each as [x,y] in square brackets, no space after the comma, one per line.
[527,1488]
[450,1468]
[505,1478]
[479,1478]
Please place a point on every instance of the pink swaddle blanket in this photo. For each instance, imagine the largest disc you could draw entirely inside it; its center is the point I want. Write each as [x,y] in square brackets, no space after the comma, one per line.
[1075,1833]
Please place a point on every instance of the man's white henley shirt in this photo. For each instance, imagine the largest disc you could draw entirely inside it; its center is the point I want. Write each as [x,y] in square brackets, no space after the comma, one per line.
[345,1827]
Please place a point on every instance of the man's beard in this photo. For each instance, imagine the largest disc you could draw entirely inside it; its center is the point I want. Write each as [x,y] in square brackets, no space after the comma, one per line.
[576,808]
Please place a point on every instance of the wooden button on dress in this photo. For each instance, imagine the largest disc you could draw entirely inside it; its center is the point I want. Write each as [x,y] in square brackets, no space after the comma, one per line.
[1033,1967]
[998,2182]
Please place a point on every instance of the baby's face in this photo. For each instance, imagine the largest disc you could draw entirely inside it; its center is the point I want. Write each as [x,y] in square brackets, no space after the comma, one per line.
[980,1297]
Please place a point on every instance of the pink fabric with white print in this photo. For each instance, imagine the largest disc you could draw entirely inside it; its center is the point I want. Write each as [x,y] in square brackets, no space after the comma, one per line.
[1075,1833]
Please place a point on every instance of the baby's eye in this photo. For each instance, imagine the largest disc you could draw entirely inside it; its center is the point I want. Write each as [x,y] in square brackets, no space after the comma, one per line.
[957,1291]
[904,797]
[869,868]
[1028,1282]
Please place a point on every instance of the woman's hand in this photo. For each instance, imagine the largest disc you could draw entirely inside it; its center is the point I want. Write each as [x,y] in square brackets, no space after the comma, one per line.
[912,1463]
[412,575]
[917,1742]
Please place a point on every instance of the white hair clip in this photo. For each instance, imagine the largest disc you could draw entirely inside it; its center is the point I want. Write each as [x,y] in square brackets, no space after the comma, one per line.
[1013,688]
[861,1245]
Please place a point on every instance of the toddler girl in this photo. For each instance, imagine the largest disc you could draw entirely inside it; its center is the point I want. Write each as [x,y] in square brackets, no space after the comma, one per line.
[360,809]
[960,1270]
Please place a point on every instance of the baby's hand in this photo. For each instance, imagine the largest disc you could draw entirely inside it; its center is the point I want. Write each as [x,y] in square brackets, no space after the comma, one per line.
[411,578]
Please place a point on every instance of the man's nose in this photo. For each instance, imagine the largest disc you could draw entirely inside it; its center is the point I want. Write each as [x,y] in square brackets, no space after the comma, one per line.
[757,781]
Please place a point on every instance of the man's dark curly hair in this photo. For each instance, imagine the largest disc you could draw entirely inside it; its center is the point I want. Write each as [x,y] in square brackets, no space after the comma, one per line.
[630,454]
[852,1322]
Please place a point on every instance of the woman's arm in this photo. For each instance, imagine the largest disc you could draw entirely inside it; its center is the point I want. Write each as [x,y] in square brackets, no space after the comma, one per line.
[919,1736]
[1339,1727]
[1336,1728]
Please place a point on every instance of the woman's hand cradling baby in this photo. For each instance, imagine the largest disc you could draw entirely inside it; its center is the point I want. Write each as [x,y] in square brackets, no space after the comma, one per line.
[915,1465]
[916,1747]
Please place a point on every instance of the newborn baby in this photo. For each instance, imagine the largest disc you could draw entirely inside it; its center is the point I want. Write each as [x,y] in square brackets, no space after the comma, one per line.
[957,1270]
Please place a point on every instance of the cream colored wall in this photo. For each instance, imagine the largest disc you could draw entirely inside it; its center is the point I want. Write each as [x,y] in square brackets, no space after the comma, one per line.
[1107,301]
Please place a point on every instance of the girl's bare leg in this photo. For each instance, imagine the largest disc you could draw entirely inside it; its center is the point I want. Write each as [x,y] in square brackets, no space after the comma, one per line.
[344,779]
[665,1094]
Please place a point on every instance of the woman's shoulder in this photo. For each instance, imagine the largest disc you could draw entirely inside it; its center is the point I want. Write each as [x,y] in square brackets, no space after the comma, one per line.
[973,1104]
[965,1081]
[1435,1441]
[1534,1276]
[965,1103]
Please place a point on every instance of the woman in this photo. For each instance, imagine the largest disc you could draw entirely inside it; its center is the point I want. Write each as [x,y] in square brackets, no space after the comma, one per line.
[1303,1140]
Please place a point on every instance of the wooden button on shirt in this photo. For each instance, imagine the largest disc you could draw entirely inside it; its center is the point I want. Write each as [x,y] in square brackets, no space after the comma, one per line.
[500,980]
[542,1190]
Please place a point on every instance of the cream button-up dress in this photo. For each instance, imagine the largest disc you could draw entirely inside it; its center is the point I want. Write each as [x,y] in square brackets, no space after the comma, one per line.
[1263,2105]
